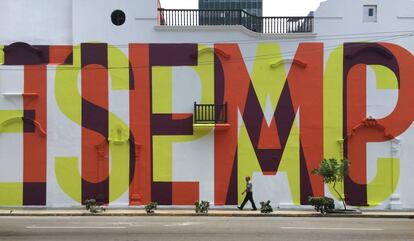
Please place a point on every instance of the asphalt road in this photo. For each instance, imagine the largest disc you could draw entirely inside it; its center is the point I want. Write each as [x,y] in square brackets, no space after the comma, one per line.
[203,229]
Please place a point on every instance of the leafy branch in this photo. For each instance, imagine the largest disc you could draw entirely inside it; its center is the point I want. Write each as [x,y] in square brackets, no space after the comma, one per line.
[333,171]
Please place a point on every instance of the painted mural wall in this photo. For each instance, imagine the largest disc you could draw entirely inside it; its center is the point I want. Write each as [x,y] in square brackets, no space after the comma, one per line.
[112,121]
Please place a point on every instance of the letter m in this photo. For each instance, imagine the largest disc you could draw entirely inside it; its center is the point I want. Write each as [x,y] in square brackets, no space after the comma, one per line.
[301,96]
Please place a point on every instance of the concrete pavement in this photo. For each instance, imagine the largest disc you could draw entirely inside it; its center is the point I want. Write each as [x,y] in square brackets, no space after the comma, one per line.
[190,212]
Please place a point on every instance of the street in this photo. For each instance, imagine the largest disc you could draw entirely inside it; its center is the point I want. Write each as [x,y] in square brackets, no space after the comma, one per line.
[203,228]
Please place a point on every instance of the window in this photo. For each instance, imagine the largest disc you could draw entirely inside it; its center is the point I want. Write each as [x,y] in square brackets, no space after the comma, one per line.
[118,17]
[370,13]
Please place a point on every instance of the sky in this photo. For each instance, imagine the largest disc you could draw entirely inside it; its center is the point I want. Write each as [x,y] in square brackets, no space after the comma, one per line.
[270,7]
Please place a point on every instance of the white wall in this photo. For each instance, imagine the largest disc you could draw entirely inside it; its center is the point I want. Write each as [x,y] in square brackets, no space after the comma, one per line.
[346,17]
[36,22]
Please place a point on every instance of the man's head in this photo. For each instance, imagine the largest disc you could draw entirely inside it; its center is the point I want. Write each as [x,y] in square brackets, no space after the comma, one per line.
[247,178]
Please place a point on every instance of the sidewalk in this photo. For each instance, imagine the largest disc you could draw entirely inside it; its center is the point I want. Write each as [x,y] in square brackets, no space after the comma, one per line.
[190,212]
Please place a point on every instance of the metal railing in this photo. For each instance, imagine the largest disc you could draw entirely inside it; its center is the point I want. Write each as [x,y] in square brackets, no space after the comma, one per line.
[210,113]
[268,25]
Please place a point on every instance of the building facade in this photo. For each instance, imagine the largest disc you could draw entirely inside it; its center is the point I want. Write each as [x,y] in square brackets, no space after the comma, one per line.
[117,101]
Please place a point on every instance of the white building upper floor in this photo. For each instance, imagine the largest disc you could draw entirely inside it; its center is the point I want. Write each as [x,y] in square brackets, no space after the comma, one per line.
[76,21]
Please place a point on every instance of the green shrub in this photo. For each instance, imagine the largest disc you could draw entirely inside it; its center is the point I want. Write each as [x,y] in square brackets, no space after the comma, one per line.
[266,207]
[202,206]
[150,207]
[322,204]
[92,206]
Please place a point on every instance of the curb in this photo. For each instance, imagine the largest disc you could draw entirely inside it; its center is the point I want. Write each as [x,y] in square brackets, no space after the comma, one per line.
[309,215]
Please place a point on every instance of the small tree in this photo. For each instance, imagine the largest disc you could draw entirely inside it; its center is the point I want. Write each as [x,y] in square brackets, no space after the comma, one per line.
[333,171]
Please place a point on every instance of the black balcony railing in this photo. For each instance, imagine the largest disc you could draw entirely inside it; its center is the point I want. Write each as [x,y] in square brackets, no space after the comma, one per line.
[268,25]
[210,113]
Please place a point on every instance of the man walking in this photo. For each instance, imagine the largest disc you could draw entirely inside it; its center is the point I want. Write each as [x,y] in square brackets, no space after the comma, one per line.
[249,194]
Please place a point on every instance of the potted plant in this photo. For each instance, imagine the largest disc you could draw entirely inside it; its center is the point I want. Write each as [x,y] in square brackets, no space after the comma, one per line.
[266,207]
[92,206]
[202,206]
[151,207]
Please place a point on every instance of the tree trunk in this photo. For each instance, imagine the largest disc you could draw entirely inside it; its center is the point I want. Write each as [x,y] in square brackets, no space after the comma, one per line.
[340,196]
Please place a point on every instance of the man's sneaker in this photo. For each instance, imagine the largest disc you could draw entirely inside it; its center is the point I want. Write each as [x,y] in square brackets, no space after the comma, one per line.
[240,208]
[254,209]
